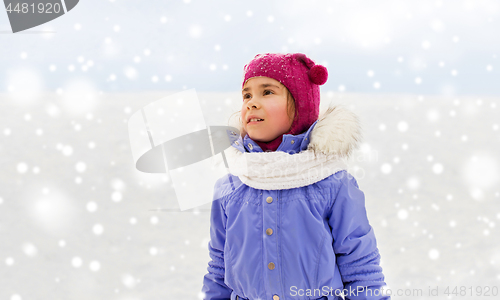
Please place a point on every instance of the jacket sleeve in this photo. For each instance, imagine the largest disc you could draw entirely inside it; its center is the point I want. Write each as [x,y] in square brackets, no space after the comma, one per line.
[214,287]
[354,243]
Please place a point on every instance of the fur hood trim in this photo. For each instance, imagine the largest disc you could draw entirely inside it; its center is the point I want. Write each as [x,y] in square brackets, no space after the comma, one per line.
[338,132]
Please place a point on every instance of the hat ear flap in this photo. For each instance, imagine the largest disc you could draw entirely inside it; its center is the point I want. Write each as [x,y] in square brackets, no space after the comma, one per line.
[317,73]
[304,59]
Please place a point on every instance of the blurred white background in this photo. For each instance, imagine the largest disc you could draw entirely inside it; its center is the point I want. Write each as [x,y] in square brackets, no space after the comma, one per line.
[78,221]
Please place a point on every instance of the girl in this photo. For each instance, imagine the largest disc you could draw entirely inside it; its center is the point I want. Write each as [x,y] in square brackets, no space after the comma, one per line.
[290,222]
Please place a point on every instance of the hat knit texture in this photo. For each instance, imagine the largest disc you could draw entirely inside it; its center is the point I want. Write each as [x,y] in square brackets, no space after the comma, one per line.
[301,76]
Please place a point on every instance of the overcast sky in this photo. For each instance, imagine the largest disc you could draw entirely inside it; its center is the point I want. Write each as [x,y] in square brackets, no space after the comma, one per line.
[387,46]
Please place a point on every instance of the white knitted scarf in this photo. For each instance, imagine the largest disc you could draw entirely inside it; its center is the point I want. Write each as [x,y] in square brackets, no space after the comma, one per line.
[280,170]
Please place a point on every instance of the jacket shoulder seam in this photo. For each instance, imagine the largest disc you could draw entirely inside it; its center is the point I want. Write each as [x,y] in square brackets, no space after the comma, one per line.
[337,187]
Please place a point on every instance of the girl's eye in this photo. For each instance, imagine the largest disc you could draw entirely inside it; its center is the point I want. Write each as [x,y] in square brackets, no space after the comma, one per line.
[248,96]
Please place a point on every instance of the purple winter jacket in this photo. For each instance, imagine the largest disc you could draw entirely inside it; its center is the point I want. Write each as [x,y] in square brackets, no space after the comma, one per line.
[307,242]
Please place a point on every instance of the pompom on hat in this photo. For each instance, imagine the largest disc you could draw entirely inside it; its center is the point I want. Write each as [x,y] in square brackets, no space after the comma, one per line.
[300,75]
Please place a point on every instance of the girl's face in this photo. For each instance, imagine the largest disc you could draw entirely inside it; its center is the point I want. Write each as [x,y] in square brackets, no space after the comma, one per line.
[265,99]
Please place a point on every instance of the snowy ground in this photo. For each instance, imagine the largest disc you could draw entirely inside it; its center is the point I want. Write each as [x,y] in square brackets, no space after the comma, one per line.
[77,220]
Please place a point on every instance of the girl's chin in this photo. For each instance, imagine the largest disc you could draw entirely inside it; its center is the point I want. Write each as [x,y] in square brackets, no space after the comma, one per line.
[261,139]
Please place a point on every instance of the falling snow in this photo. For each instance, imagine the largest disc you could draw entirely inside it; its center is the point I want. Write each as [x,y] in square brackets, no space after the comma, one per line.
[75,211]
[421,192]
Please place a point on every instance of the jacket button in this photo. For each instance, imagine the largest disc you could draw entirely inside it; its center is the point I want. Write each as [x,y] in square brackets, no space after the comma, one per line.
[250,146]
[269,231]
[292,141]
[276,297]
[271,266]
[236,143]
[269,199]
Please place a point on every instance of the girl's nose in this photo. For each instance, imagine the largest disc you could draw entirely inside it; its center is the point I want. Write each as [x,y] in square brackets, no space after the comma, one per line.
[252,103]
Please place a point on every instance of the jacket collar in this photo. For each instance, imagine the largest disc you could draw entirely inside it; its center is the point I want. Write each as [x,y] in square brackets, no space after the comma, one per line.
[336,132]
[291,143]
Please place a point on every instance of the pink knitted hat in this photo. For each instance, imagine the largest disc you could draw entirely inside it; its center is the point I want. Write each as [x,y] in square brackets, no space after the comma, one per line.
[300,75]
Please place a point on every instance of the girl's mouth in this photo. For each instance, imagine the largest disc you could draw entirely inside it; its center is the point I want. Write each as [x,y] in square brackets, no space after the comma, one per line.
[255,121]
